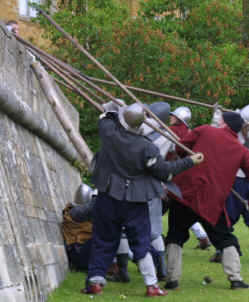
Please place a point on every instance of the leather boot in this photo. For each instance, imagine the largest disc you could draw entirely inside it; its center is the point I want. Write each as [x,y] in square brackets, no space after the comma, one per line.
[161,269]
[122,262]
[113,269]
[203,244]
[216,257]
[155,290]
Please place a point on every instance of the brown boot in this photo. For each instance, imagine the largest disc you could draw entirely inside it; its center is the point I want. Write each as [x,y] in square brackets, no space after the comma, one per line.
[113,269]
[155,290]
[216,257]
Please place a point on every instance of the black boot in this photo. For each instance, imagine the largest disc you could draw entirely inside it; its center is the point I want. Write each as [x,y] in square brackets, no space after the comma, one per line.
[239,285]
[122,275]
[161,267]
[174,285]
[122,262]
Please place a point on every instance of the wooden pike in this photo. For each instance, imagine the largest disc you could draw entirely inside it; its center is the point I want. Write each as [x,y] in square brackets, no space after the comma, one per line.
[100,66]
[67,83]
[69,76]
[66,67]
[125,88]
[53,99]
[48,62]
[240,198]
[89,81]
[71,86]
[161,95]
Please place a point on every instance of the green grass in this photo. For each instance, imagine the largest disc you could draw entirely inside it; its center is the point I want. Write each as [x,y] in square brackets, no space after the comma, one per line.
[195,267]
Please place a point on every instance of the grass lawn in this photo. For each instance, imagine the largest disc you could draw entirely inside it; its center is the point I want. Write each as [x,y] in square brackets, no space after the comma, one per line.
[195,267]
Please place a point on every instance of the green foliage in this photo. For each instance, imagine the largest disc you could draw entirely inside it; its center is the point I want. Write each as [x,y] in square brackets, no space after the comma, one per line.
[215,21]
[199,55]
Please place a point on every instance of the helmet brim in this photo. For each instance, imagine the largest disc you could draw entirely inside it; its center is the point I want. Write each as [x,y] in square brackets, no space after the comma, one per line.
[123,122]
[172,113]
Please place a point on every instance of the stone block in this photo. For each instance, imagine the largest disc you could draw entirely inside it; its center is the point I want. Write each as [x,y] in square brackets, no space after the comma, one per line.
[14,293]
[11,269]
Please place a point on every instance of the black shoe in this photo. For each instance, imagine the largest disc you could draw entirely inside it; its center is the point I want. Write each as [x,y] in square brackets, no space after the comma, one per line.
[161,278]
[238,285]
[172,285]
[118,278]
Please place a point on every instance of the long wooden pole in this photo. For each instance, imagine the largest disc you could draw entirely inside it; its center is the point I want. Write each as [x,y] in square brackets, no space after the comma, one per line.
[97,106]
[161,95]
[69,76]
[133,97]
[89,80]
[239,197]
[35,50]
[40,54]
[66,67]
[100,66]
[74,88]
[68,82]
[53,99]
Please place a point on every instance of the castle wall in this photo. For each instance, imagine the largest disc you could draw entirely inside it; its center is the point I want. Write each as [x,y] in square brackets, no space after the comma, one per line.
[35,184]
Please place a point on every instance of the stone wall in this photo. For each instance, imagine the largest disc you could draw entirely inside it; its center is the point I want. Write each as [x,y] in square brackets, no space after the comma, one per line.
[35,184]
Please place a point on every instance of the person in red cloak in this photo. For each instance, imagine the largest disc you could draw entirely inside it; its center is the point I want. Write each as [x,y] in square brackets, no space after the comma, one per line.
[204,191]
[179,124]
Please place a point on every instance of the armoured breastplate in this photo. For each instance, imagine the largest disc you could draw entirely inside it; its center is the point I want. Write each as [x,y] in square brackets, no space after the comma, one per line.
[163,144]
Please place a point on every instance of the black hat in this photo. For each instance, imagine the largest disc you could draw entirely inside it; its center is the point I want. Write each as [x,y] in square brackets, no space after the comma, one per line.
[233,120]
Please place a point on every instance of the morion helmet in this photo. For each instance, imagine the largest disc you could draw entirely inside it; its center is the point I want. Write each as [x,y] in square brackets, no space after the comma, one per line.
[131,117]
[161,110]
[183,114]
[244,112]
[84,194]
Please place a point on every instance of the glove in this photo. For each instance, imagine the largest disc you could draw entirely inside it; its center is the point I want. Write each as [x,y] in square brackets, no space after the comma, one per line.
[216,107]
[197,158]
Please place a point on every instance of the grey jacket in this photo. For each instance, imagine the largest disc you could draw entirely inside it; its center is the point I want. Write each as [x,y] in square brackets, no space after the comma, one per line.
[129,166]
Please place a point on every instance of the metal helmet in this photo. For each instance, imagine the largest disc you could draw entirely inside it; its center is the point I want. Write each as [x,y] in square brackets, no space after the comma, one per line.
[161,110]
[131,117]
[244,112]
[121,102]
[183,114]
[84,194]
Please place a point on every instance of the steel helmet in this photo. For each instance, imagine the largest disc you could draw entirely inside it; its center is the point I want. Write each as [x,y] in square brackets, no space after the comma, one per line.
[183,114]
[131,117]
[161,110]
[84,194]
[244,112]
